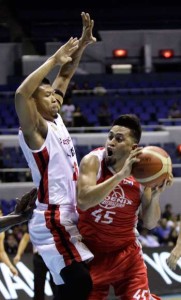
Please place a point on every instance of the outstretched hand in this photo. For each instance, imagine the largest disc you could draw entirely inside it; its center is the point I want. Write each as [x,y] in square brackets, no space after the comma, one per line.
[88,24]
[63,54]
[26,203]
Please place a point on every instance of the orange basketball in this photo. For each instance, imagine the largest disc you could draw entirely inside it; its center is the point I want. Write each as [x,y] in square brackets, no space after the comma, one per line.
[154,166]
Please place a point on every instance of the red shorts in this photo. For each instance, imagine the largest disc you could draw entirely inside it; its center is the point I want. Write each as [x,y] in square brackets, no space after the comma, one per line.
[124,270]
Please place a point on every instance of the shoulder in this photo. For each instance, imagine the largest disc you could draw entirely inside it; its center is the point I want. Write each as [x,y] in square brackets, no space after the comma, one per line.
[89,161]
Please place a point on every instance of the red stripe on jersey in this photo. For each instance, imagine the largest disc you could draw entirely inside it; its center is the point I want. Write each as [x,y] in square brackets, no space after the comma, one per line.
[42,160]
[61,236]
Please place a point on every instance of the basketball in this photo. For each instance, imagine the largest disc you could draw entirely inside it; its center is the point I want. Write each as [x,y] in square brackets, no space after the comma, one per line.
[154,166]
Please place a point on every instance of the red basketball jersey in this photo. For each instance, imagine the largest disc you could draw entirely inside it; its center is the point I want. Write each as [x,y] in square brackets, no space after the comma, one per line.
[111,225]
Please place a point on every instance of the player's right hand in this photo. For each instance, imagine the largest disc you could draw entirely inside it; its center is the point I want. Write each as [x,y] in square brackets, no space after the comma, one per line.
[63,54]
[174,257]
[27,202]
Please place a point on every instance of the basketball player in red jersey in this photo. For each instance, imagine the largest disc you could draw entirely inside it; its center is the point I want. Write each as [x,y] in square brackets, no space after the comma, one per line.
[109,201]
[49,151]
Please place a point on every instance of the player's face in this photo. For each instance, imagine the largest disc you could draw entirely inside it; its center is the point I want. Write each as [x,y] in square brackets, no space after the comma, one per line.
[59,100]
[46,102]
[118,145]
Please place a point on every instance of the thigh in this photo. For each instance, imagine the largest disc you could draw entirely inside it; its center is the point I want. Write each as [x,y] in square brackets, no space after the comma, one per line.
[101,274]
[134,284]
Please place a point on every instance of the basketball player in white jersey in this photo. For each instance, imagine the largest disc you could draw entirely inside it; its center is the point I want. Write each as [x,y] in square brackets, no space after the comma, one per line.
[50,154]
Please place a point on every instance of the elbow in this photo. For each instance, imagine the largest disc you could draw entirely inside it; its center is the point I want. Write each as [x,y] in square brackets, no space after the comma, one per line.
[150,225]
[18,92]
[81,204]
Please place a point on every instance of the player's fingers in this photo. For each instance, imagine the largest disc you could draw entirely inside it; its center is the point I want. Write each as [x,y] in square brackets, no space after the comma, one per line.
[171,264]
[33,192]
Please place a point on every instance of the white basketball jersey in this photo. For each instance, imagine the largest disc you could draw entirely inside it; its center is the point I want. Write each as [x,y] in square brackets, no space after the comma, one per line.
[53,226]
[54,166]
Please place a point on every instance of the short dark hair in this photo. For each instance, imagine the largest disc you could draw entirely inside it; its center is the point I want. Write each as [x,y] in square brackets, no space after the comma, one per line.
[132,122]
[45,81]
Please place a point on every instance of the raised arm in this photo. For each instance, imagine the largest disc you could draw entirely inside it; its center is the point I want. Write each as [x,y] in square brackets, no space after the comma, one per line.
[67,71]
[30,119]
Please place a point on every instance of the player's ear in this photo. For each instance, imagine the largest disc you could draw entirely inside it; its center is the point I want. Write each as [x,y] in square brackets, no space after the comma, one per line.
[134,146]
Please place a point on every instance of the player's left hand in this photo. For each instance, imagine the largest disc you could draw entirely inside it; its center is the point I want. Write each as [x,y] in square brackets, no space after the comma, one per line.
[166,183]
[88,24]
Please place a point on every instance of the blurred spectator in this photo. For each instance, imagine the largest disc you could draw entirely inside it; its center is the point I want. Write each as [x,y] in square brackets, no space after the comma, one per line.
[172,238]
[79,119]
[86,86]
[174,111]
[99,89]
[67,111]
[162,231]
[11,244]
[147,239]
[3,253]
[167,213]
[104,115]
[85,89]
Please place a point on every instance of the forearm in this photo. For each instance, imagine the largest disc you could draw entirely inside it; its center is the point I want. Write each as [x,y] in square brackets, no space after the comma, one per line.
[69,68]
[10,220]
[151,214]
[67,71]
[5,259]
[23,244]
[89,196]
[30,84]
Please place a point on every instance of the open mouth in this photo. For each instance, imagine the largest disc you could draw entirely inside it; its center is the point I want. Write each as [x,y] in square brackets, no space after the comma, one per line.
[109,151]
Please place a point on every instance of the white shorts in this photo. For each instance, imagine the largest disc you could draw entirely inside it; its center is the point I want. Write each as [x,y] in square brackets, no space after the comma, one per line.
[55,235]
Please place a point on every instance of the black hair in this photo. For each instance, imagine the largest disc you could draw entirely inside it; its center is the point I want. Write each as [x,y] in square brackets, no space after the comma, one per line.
[45,81]
[132,122]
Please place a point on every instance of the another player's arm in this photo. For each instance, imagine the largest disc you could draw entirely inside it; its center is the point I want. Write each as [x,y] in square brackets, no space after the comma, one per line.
[22,212]
[175,253]
[90,193]
[12,219]
[21,247]
[4,257]
[67,70]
